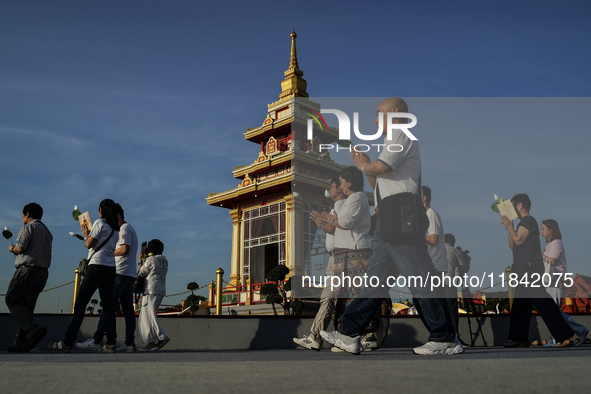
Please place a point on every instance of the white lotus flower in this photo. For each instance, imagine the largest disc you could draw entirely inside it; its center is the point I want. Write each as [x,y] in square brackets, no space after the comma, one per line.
[72,234]
[326,193]
[6,228]
[496,198]
[297,195]
[75,207]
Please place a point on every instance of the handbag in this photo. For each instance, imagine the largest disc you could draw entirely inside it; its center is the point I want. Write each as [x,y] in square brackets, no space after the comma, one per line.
[83,265]
[139,285]
[403,218]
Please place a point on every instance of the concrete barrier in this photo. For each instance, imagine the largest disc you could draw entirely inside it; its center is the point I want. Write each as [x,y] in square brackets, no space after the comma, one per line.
[266,332]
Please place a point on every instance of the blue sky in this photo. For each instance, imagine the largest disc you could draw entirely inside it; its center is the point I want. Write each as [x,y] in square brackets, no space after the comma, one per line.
[146,102]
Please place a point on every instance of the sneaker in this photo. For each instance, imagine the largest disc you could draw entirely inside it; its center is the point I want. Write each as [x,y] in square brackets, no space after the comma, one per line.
[335,349]
[89,344]
[308,343]
[368,346]
[439,348]
[375,341]
[107,349]
[127,349]
[349,344]
[162,342]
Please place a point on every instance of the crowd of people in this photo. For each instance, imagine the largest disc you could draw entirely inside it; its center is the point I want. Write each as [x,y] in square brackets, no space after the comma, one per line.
[404,237]
[421,248]
[112,246]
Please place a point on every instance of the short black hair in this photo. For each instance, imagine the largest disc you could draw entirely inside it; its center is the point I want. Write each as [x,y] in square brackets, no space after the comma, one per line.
[427,194]
[155,247]
[450,239]
[119,210]
[523,199]
[335,180]
[355,176]
[34,210]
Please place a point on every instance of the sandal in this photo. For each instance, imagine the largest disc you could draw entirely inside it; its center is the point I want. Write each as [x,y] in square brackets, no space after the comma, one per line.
[59,347]
[572,341]
[150,347]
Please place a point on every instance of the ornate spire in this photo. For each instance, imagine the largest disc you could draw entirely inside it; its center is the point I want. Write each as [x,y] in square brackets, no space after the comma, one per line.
[293,84]
[293,59]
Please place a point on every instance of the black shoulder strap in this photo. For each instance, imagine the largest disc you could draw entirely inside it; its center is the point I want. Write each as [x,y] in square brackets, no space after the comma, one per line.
[102,244]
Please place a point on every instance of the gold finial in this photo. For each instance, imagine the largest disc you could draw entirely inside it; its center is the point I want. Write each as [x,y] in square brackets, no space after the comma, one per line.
[293,84]
[293,59]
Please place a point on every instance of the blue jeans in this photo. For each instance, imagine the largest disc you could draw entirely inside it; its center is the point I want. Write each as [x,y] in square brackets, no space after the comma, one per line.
[97,277]
[123,294]
[410,260]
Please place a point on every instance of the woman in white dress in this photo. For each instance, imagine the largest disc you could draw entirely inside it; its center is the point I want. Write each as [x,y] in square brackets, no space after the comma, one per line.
[154,270]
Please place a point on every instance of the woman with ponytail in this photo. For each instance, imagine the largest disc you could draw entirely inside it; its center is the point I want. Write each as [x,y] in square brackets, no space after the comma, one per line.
[101,242]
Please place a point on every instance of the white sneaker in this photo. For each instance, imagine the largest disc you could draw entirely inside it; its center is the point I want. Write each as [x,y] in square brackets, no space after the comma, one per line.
[439,348]
[349,344]
[127,349]
[368,346]
[89,345]
[308,343]
[335,349]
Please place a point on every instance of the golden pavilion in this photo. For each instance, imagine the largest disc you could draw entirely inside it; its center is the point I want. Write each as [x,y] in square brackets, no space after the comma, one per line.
[271,223]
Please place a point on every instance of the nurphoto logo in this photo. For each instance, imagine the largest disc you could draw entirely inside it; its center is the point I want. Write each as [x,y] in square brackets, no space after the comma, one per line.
[345,128]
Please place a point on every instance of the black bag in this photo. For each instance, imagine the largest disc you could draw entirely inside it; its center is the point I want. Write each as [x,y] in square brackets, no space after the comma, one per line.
[139,286]
[83,265]
[403,219]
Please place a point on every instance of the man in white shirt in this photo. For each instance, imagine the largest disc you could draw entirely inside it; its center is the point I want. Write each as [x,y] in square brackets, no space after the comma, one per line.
[435,238]
[125,257]
[313,341]
[396,171]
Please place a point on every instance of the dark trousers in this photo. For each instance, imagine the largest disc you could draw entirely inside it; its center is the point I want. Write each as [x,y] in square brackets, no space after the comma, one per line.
[21,298]
[521,311]
[123,294]
[97,277]
[407,260]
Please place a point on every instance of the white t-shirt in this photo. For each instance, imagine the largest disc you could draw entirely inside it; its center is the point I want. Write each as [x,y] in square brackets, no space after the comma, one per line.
[437,252]
[126,265]
[106,256]
[355,220]
[330,237]
[405,166]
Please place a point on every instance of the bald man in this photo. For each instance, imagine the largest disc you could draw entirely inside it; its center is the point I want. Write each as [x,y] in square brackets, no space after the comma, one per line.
[396,171]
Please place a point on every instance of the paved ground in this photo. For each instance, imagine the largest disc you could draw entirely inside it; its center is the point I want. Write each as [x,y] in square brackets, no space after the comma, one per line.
[478,370]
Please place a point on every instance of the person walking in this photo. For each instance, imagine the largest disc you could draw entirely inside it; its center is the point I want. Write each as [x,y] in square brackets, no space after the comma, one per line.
[154,270]
[101,242]
[32,260]
[125,255]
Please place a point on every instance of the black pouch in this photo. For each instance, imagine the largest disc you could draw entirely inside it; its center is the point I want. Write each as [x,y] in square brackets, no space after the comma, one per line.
[83,266]
[403,219]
